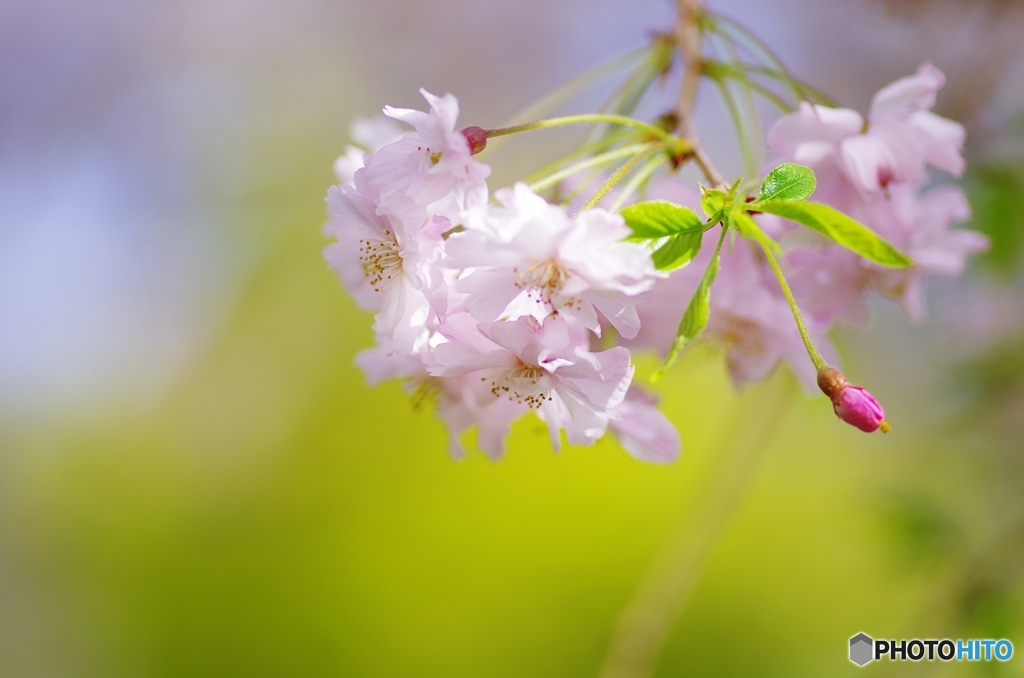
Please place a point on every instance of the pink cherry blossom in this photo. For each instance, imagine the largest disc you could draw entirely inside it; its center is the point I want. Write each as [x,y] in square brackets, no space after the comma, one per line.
[539,366]
[368,136]
[900,139]
[643,429]
[531,251]
[432,164]
[388,258]
[922,225]
[830,284]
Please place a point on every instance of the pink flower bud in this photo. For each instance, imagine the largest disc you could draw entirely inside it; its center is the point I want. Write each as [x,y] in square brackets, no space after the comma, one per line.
[477,138]
[852,404]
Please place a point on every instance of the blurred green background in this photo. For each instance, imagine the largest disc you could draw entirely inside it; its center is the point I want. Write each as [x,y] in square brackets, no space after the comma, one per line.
[195,481]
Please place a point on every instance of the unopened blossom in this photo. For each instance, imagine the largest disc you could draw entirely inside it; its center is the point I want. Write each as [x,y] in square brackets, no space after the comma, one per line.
[643,429]
[368,136]
[853,404]
[531,252]
[539,366]
[432,164]
[899,140]
[387,254]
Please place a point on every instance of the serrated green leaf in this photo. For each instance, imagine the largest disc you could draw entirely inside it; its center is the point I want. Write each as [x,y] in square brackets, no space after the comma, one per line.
[788,181]
[659,218]
[695,319]
[713,201]
[677,251]
[748,228]
[835,225]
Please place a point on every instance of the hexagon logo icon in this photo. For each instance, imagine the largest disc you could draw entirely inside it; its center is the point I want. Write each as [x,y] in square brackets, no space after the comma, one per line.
[861,646]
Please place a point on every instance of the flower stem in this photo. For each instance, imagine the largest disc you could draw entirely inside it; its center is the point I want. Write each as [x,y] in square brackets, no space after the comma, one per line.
[681,559]
[618,174]
[555,177]
[637,181]
[688,35]
[819,362]
[657,132]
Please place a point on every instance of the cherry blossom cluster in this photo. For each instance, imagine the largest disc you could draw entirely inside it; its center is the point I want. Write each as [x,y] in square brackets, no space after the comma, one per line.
[492,309]
[493,306]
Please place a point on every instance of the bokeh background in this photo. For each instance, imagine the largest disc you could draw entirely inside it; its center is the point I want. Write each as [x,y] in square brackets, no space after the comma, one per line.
[195,481]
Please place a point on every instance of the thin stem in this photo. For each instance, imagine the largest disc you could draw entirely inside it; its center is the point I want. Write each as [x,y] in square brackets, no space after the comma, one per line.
[582,151]
[819,362]
[754,137]
[749,162]
[636,181]
[799,88]
[617,176]
[594,161]
[677,567]
[580,83]
[688,34]
[614,104]
[582,119]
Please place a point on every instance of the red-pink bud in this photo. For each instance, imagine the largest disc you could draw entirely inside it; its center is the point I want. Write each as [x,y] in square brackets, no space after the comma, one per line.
[477,138]
[859,408]
[852,404]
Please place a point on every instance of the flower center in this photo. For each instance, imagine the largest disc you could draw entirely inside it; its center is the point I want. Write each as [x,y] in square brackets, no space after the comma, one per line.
[523,384]
[742,333]
[381,260]
[542,279]
[435,156]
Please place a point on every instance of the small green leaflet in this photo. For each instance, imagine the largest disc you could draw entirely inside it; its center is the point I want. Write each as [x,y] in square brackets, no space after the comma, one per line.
[732,191]
[659,218]
[695,319]
[677,251]
[712,200]
[833,224]
[788,181]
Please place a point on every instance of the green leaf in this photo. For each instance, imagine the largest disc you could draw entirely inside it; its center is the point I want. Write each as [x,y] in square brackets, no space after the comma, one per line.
[749,229]
[659,218]
[833,224]
[731,198]
[788,181]
[712,200]
[677,251]
[695,319]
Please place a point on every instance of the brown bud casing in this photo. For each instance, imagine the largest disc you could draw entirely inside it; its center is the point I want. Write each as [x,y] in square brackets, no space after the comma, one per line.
[831,382]
[477,138]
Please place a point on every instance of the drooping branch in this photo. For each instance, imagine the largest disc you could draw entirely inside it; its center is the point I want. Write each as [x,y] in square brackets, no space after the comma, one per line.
[688,35]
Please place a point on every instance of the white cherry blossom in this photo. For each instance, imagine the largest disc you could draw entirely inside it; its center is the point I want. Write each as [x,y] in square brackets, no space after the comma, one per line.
[540,367]
[531,251]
